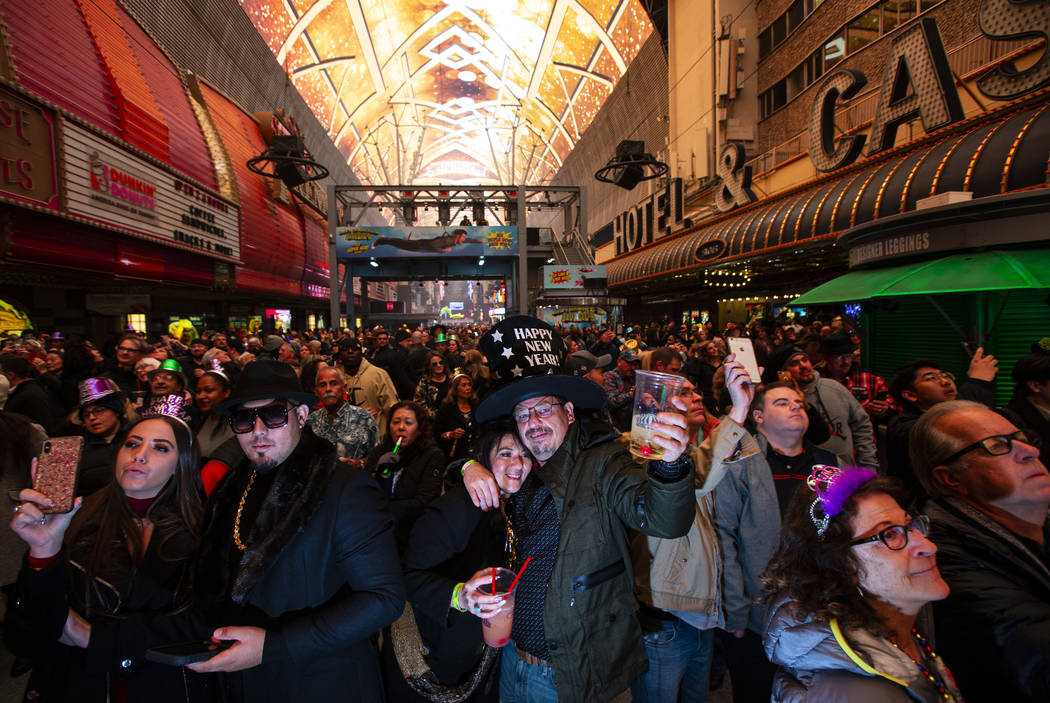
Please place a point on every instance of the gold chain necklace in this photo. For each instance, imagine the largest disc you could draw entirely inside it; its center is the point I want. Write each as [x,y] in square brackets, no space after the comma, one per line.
[240,509]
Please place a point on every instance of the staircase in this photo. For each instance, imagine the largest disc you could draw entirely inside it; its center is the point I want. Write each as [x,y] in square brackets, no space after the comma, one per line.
[572,250]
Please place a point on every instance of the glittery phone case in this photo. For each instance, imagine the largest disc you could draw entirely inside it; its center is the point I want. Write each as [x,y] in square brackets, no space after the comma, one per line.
[56,472]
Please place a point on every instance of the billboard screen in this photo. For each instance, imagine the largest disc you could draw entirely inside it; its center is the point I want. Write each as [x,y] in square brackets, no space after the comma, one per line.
[416,242]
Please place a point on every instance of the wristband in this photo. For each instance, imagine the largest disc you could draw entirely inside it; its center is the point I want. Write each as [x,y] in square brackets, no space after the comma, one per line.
[463,469]
[41,563]
[455,598]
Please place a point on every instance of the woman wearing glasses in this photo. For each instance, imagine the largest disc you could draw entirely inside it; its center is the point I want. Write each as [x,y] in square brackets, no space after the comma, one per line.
[123,550]
[433,386]
[847,588]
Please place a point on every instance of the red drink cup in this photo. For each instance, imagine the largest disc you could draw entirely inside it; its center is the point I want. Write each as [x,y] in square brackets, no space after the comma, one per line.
[497,628]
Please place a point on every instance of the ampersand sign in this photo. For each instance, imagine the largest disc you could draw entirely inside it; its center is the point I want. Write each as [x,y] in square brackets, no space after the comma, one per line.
[736,179]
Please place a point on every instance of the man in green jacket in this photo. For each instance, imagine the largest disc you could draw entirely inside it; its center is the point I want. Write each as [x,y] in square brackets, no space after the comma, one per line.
[576,635]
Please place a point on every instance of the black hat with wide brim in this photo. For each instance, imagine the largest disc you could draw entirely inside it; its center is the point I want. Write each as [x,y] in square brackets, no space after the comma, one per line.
[525,355]
[265,379]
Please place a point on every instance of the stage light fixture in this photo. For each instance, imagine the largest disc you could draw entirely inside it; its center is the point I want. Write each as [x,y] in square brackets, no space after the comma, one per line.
[373,263]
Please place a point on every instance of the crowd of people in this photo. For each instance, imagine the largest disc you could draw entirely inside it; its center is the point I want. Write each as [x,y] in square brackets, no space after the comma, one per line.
[323,513]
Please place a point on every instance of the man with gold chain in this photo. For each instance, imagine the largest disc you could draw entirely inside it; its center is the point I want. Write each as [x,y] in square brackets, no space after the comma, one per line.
[298,562]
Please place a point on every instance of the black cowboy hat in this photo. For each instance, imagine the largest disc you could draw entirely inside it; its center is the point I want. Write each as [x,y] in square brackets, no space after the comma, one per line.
[266,379]
[526,355]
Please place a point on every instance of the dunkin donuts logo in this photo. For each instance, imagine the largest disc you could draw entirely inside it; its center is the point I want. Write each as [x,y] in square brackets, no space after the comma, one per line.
[118,184]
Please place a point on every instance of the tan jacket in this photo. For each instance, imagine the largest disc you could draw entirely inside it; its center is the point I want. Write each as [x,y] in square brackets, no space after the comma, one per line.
[684,574]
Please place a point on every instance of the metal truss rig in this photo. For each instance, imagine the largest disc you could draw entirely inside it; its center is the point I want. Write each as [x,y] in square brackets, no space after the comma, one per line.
[512,202]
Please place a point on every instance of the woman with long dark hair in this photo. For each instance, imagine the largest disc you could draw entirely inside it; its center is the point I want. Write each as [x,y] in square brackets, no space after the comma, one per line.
[449,554]
[455,418]
[123,550]
[407,465]
[433,386]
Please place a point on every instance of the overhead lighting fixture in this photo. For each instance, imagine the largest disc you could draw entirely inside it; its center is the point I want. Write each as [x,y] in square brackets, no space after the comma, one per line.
[481,261]
[373,263]
[550,260]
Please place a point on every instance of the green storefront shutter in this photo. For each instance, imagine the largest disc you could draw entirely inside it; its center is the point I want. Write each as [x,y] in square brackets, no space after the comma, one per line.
[1025,320]
[908,328]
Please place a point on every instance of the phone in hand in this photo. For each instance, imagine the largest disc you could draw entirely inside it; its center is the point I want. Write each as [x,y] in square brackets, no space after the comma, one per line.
[882,395]
[56,472]
[185,653]
[744,351]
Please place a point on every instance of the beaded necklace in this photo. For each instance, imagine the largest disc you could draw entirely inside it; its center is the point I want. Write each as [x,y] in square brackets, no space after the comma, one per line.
[925,671]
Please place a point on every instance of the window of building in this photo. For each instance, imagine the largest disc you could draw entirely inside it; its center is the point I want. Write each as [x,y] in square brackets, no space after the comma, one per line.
[796,81]
[863,30]
[136,321]
[795,14]
[782,26]
[897,12]
[834,50]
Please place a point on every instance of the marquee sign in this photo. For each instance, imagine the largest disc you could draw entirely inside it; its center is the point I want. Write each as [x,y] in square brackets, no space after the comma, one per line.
[917,82]
[107,184]
[650,219]
[27,151]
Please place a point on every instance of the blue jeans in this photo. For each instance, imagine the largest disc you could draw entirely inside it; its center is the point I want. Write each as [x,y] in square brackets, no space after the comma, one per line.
[520,682]
[679,665]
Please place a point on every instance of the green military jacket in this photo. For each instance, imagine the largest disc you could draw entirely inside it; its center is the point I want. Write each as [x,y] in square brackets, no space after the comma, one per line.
[590,618]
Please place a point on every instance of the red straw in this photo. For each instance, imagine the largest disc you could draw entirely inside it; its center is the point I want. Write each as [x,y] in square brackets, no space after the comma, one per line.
[520,572]
[494,580]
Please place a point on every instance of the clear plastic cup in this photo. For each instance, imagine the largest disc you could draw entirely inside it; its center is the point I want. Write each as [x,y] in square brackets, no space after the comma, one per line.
[652,394]
[497,628]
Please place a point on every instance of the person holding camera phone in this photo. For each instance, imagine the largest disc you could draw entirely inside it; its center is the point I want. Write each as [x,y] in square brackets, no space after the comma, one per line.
[125,549]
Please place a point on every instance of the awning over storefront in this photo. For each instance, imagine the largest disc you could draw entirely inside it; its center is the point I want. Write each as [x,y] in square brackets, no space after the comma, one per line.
[959,273]
[998,153]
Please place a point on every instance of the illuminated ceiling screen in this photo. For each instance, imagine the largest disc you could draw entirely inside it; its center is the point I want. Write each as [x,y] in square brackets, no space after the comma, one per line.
[476,91]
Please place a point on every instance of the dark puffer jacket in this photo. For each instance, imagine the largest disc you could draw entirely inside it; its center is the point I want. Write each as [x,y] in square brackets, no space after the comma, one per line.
[994,627]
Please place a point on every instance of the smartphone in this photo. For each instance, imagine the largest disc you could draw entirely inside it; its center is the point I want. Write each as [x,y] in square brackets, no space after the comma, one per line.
[186,652]
[744,351]
[56,472]
[882,395]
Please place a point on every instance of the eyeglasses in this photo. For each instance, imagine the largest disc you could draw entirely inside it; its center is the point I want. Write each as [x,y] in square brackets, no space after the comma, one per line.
[274,416]
[934,376]
[93,411]
[997,445]
[437,363]
[543,410]
[895,537]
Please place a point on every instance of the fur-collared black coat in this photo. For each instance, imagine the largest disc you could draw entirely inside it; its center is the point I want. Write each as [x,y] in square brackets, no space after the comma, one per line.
[321,575]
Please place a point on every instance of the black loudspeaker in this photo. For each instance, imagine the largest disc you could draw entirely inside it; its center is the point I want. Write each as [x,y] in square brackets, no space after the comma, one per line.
[292,173]
[629,176]
[408,212]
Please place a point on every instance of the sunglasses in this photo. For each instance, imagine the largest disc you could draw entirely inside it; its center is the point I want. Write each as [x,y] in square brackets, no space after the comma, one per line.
[274,416]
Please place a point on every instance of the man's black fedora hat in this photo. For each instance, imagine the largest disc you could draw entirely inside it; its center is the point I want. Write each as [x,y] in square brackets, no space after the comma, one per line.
[266,379]
[526,355]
